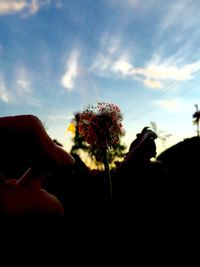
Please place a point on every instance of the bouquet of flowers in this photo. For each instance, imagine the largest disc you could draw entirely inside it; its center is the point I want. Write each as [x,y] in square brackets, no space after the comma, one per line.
[101,127]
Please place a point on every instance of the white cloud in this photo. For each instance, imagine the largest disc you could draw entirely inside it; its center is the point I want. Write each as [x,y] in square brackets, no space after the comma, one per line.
[153,75]
[113,46]
[71,71]
[172,104]
[152,83]
[19,91]
[164,72]
[182,108]
[4,93]
[22,81]
[16,6]
[110,44]
[22,88]
[12,6]
[123,67]
[101,64]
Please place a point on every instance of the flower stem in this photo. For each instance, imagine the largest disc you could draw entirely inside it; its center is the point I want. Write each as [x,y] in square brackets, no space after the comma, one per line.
[107,171]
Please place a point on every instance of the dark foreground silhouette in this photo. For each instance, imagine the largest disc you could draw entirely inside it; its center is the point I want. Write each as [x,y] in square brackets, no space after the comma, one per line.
[55,205]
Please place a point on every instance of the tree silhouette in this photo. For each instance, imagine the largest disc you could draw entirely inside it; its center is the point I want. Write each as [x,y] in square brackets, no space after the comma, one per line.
[115,153]
[196,117]
[78,140]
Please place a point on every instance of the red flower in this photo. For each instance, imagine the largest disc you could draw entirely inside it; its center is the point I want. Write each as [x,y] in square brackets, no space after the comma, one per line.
[101,126]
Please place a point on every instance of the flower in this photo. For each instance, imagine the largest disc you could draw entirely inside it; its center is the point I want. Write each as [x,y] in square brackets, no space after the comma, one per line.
[71,128]
[101,126]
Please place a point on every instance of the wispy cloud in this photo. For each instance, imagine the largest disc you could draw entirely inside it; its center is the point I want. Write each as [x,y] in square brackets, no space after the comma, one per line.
[110,44]
[175,63]
[152,83]
[5,96]
[123,67]
[19,90]
[110,48]
[174,15]
[18,6]
[166,72]
[177,105]
[101,64]
[153,75]
[12,6]
[178,20]
[22,81]
[169,104]
[71,72]
[157,73]
[22,88]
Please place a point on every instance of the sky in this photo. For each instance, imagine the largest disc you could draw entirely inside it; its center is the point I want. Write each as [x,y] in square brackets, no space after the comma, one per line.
[58,56]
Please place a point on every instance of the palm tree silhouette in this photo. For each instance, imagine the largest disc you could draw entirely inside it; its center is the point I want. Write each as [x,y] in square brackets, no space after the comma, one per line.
[196,117]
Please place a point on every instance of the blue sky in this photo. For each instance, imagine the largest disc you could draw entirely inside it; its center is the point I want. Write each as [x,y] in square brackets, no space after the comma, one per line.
[58,56]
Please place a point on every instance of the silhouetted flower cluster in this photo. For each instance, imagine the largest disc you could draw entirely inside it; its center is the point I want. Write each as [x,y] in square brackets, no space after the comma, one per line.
[101,126]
